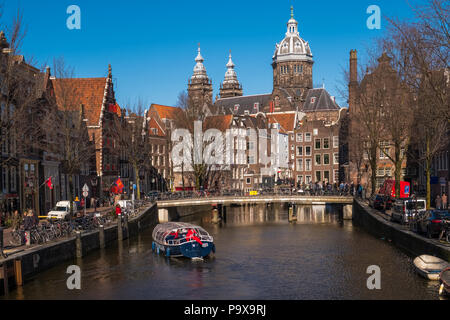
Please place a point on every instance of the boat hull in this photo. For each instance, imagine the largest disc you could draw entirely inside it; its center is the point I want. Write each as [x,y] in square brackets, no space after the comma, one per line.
[429,267]
[191,249]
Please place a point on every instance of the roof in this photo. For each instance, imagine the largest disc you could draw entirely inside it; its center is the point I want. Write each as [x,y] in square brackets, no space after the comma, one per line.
[286,120]
[322,101]
[243,103]
[219,122]
[167,112]
[71,93]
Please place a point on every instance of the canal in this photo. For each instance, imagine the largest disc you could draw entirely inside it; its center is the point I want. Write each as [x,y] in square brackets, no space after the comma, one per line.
[259,255]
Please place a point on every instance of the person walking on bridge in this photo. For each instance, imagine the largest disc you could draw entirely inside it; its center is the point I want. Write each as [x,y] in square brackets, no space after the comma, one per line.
[438,202]
[444,201]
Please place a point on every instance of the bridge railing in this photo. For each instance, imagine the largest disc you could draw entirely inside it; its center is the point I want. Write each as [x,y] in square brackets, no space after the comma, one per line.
[181,195]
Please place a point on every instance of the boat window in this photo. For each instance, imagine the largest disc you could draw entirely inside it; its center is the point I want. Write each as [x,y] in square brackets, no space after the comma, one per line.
[415,205]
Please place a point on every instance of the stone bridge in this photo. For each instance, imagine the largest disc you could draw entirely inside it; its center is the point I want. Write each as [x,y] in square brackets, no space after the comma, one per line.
[192,205]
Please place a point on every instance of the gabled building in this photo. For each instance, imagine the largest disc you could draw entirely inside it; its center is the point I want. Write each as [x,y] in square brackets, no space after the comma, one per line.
[102,113]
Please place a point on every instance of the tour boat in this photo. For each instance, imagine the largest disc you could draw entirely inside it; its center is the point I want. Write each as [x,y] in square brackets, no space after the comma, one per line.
[181,239]
[429,267]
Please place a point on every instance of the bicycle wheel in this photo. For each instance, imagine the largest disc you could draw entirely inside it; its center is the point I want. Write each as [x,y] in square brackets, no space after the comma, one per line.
[16,238]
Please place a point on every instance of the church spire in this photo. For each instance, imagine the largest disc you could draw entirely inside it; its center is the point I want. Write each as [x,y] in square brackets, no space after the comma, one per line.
[199,69]
[292,25]
[230,86]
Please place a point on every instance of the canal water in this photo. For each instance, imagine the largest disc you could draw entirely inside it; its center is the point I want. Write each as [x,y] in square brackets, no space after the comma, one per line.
[259,255]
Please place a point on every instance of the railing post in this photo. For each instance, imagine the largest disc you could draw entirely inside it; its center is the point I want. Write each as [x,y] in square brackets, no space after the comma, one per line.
[1,243]
[18,272]
[101,236]
[125,222]
[79,248]
[119,228]
[5,278]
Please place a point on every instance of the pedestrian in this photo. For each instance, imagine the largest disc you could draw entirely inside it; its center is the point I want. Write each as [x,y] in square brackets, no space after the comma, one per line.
[16,220]
[438,202]
[29,221]
[118,210]
[444,201]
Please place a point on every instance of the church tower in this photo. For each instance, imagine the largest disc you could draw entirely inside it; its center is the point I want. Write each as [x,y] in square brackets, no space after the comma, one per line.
[292,66]
[230,87]
[200,86]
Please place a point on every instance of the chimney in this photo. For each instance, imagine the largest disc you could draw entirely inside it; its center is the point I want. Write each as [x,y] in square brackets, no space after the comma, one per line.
[353,66]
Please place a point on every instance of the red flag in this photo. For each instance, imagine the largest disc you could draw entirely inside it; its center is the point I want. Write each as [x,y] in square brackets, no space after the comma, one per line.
[49,183]
[119,185]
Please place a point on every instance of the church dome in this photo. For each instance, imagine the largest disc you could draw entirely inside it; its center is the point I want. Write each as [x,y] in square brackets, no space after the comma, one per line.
[292,47]
[230,75]
[199,69]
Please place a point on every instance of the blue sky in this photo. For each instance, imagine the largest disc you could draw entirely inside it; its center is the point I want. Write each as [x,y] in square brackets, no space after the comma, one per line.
[152,45]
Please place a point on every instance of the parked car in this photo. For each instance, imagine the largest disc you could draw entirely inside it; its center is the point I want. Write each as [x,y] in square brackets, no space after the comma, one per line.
[404,210]
[376,201]
[62,210]
[430,222]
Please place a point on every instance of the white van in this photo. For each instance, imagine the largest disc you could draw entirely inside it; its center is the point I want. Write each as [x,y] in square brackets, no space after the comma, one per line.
[404,210]
[62,210]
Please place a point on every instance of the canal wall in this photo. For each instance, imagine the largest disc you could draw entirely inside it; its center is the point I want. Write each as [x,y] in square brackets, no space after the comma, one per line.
[23,266]
[368,219]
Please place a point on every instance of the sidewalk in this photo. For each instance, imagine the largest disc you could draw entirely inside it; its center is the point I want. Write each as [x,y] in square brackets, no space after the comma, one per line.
[10,249]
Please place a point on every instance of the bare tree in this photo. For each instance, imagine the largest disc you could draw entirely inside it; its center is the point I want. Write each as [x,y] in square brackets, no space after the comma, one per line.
[422,53]
[19,91]
[133,135]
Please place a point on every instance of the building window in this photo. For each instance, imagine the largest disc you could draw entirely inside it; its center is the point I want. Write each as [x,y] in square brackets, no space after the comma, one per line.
[315,132]
[336,176]
[335,142]
[299,137]
[336,158]
[299,164]
[365,155]
[326,143]
[308,137]
[318,176]
[307,151]
[318,159]
[380,172]
[383,155]
[317,144]
[326,159]
[299,150]
[13,179]
[300,179]
[307,179]
[307,164]
[5,179]
[326,176]
[248,180]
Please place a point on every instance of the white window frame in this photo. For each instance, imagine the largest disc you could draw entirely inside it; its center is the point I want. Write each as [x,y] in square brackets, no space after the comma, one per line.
[335,141]
[308,137]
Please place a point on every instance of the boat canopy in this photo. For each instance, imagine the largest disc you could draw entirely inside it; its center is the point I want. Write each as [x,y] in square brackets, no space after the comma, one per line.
[176,232]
